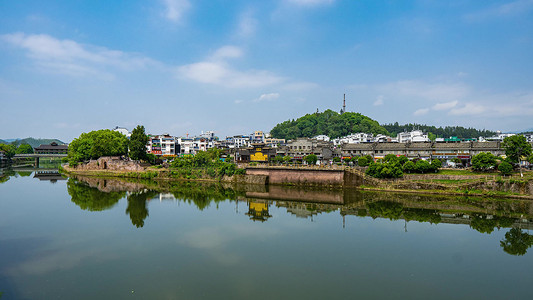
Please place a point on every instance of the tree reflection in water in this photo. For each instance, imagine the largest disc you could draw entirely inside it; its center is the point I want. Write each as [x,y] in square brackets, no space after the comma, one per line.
[137,206]
[516,242]
[91,199]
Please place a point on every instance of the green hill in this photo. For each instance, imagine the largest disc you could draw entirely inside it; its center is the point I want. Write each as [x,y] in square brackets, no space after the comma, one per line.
[329,123]
[33,142]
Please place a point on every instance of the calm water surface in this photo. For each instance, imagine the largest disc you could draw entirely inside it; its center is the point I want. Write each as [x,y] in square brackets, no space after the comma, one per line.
[108,239]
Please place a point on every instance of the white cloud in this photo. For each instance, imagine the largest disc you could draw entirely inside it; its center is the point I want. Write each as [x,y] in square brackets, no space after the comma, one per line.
[216,70]
[71,58]
[379,101]
[247,25]
[174,9]
[469,109]
[310,2]
[421,112]
[238,101]
[445,105]
[267,97]
[227,52]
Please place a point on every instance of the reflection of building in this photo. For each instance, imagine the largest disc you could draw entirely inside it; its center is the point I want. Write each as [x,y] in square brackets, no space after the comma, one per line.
[258,211]
[48,175]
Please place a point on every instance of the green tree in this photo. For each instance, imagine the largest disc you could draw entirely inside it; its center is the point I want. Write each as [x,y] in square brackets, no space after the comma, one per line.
[483,161]
[311,159]
[409,167]
[137,145]
[436,164]
[9,150]
[505,168]
[24,149]
[365,161]
[287,159]
[278,159]
[516,242]
[95,144]
[422,166]
[516,147]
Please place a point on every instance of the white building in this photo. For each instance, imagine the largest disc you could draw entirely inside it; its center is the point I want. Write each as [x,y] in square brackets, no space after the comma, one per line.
[415,136]
[123,130]
[164,144]
[354,138]
[322,137]
[186,145]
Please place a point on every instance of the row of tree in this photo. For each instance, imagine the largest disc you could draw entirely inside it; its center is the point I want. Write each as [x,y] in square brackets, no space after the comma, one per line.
[105,142]
[444,132]
[11,149]
[516,148]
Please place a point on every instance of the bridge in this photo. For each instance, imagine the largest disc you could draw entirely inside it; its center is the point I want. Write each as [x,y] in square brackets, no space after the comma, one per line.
[37,156]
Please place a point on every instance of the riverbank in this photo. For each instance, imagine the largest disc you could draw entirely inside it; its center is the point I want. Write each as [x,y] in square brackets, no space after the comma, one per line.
[444,183]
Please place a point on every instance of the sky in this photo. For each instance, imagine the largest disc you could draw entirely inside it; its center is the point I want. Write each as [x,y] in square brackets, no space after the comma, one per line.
[184,66]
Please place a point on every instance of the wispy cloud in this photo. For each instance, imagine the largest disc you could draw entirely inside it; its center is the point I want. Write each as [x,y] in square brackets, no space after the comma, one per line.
[503,10]
[310,2]
[247,25]
[71,58]
[379,101]
[175,9]
[421,112]
[267,97]
[445,105]
[216,70]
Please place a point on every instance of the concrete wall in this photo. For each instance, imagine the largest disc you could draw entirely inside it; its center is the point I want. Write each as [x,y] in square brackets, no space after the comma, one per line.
[300,176]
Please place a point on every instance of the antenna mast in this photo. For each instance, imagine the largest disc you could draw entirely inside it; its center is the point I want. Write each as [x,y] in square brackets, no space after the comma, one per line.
[344,104]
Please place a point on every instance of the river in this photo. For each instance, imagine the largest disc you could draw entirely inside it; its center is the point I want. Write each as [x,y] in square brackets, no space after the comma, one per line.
[88,238]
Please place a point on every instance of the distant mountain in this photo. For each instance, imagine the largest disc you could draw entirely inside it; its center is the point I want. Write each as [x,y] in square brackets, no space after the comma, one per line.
[31,141]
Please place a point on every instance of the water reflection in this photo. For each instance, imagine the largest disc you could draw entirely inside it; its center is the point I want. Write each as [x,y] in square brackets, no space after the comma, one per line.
[481,214]
[50,175]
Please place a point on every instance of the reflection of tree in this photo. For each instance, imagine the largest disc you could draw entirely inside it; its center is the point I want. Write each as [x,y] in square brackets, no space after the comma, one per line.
[88,198]
[203,194]
[386,209]
[24,174]
[422,215]
[6,175]
[516,242]
[483,224]
[137,207]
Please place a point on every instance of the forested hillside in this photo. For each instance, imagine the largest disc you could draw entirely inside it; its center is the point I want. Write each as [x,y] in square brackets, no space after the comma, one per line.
[32,142]
[329,123]
[444,132]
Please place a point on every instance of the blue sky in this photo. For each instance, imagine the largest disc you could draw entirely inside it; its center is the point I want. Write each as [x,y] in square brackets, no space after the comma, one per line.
[183,66]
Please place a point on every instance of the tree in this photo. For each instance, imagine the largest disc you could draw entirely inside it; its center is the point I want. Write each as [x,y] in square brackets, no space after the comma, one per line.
[278,159]
[138,141]
[364,161]
[436,165]
[137,207]
[96,144]
[311,159]
[287,159]
[515,147]
[505,168]
[9,150]
[24,149]
[422,166]
[409,167]
[483,161]
[516,242]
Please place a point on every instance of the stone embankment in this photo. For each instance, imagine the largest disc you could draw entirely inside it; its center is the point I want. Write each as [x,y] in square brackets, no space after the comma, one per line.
[322,177]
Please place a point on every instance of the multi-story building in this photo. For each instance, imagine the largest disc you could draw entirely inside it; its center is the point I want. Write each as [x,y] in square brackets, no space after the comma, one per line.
[301,147]
[274,143]
[164,144]
[186,145]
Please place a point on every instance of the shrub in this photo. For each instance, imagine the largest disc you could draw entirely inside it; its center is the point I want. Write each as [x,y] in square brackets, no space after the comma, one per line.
[483,161]
[505,168]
